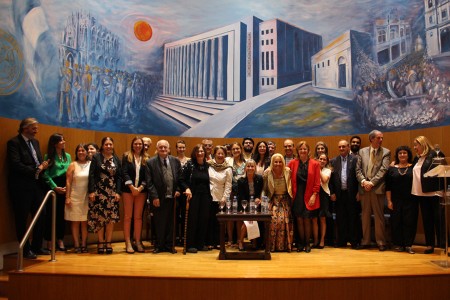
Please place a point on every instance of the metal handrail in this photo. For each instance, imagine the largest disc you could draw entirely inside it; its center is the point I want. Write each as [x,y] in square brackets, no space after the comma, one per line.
[30,228]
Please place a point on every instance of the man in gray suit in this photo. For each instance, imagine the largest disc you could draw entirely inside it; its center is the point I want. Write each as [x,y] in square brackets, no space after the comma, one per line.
[163,174]
[371,168]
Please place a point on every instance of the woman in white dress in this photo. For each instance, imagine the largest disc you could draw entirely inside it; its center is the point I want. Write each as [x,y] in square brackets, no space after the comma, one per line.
[76,209]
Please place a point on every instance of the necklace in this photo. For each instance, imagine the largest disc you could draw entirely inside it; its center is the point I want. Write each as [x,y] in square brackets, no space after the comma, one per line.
[83,166]
[402,173]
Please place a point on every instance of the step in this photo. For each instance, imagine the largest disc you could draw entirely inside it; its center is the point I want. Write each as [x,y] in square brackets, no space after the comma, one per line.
[190,105]
[198,100]
[183,119]
[4,284]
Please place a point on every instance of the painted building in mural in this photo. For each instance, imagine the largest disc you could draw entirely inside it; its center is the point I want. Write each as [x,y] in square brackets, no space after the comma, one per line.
[86,42]
[437,26]
[335,67]
[393,40]
[285,54]
[239,61]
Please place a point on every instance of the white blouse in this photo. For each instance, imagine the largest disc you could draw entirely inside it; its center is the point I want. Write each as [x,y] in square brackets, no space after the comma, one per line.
[220,183]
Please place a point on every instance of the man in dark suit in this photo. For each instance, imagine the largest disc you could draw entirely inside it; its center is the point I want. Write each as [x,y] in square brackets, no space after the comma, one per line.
[344,188]
[163,173]
[25,183]
[372,166]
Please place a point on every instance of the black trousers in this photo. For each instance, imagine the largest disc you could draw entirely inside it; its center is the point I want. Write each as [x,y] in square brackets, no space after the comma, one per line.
[198,219]
[26,202]
[60,206]
[347,220]
[163,216]
[429,207]
[404,221]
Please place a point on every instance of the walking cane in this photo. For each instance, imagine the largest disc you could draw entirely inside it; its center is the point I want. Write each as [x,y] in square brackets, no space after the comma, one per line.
[185,226]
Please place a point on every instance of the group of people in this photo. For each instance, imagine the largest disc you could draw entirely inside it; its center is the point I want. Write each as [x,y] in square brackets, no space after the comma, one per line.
[190,191]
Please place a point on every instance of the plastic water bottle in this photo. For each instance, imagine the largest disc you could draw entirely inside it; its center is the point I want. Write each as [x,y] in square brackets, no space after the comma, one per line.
[235,204]
[252,205]
[264,204]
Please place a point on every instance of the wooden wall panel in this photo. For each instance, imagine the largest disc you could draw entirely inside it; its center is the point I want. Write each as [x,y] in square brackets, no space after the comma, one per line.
[122,144]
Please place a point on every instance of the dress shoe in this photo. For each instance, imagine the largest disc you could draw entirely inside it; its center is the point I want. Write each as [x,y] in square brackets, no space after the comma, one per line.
[192,250]
[108,249]
[355,246]
[382,247]
[409,250]
[173,250]
[307,249]
[156,250]
[42,251]
[400,249]
[29,254]
[429,250]
[361,247]
[204,248]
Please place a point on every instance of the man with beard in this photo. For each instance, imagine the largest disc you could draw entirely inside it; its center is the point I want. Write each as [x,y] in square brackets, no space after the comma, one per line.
[247,144]
[355,144]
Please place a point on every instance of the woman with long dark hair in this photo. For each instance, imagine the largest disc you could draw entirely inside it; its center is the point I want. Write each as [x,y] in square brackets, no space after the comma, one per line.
[262,157]
[55,177]
[105,188]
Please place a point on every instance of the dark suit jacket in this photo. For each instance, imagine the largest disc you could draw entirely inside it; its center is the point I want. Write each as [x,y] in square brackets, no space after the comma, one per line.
[335,181]
[155,178]
[382,161]
[129,174]
[22,167]
[243,191]
[429,184]
[96,168]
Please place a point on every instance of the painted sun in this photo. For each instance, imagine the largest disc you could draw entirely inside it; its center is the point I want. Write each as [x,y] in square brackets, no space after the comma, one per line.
[143,31]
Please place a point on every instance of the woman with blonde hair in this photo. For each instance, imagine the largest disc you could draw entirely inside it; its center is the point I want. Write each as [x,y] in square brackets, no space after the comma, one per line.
[424,190]
[277,187]
[306,188]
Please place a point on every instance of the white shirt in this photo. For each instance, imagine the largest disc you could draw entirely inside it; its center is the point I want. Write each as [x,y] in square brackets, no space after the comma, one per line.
[220,183]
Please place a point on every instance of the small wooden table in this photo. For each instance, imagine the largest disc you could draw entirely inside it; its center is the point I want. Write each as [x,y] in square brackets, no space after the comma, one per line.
[224,218]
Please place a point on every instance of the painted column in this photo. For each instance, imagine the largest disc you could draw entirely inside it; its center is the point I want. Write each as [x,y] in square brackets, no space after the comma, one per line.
[212,71]
[220,68]
[206,69]
[195,72]
[200,69]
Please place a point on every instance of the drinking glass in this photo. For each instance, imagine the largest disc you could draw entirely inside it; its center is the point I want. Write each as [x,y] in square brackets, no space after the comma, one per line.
[244,205]
[221,206]
[228,206]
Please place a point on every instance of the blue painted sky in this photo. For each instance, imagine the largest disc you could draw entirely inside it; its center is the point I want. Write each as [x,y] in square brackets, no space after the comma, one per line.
[175,19]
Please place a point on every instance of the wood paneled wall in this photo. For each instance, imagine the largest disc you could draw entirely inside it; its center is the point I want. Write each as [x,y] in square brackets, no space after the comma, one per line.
[122,143]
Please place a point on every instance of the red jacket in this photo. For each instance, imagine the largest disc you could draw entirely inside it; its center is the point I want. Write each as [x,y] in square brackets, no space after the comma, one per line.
[312,183]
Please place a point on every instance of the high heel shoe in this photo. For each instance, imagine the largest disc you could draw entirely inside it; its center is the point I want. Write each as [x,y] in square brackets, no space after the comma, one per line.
[128,247]
[308,248]
[100,248]
[241,246]
[140,247]
[108,248]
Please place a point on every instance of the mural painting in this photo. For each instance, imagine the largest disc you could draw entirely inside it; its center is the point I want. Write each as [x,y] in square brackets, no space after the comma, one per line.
[227,68]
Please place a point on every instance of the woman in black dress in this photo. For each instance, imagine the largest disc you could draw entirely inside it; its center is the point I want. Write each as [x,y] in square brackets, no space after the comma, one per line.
[404,207]
[195,182]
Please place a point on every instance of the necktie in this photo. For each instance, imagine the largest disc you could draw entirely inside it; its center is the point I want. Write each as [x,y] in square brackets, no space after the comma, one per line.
[33,152]
[371,163]
[165,162]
